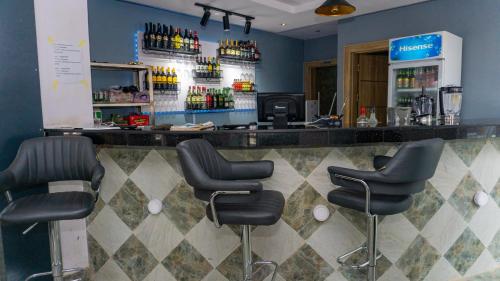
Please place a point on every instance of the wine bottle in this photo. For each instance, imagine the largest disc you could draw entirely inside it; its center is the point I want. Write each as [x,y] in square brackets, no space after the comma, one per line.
[159,36]
[165,37]
[152,35]
[186,40]
[146,36]
[191,41]
[196,42]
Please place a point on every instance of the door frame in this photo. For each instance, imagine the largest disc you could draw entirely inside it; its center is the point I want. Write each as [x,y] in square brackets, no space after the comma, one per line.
[309,88]
[349,67]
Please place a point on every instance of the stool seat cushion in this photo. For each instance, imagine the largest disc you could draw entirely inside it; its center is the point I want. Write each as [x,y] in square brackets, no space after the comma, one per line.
[379,204]
[48,207]
[266,210]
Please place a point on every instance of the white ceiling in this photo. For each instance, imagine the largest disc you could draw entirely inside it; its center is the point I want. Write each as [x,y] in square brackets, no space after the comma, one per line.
[297,15]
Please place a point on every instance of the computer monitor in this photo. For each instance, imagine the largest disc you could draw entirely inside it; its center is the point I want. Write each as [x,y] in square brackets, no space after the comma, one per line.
[281,108]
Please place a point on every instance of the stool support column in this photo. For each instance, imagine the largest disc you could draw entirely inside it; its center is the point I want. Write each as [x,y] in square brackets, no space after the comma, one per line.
[372,222]
[247,253]
[55,250]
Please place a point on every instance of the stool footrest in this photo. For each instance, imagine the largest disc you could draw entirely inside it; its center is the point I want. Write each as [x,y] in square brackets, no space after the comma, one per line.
[342,260]
[264,262]
[42,274]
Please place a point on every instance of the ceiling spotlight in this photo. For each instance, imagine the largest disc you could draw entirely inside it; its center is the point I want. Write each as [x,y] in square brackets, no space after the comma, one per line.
[225,22]
[206,16]
[335,8]
[248,25]
[283,24]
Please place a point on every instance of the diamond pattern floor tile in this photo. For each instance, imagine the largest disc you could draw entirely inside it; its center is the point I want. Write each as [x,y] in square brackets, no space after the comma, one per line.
[395,235]
[383,264]
[326,240]
[464,251]
[105,224]
[495,193]
[170,155]
[97,256]
[186,263]
[127,159]
[442,270]
[304,160]
[215,244]
[462,197]
[276,242]
[449,172]
[285,178]
[114,178]
[99,204]
[393,274]
[444,228]
[494,247]
[232,267]
[486,222]
[467,149]
[298,211]
[130,204]
[182,208]
[424,207]
[215,275]
[159,273]
[484,262]
[111,272]
[486,167]
[159,235]
[134,259]
[305,264]
[418,259]
[155,177]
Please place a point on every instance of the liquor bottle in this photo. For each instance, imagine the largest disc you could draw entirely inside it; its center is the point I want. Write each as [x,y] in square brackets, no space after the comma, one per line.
[252,50]
[186,40]
[146,36]
[197,69]
[217,69]
[181,40]
[155,78]
[174,80]
[205,68]
[165,37]
[210,68]
[406,79]
[221,49]
[257,52]
[159,36]
[171,39]
[412,78]
[196,42]
[164,80]
[399,79]
[152,35]
[237,51]
[176,39]
[191,41]
[169,80]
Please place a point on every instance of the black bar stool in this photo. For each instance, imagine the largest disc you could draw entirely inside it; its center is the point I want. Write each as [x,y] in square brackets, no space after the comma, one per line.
[386,191]
[233,194]
[38,162]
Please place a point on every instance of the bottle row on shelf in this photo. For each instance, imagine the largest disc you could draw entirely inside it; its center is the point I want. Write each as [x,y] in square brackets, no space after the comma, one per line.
[242,50]
[201,98]
[243,86]
[207,68]
[416,78]
[163,80]
[162,37]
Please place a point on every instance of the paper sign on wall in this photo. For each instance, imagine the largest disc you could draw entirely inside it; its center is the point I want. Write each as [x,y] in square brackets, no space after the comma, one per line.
[67,58]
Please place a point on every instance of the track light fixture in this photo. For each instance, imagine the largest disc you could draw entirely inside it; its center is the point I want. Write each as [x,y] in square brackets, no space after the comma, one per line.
[248,25]
[225,18]
[205,18]
[225,22]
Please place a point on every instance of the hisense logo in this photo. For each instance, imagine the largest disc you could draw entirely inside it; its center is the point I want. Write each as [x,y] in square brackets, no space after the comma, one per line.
[416,47]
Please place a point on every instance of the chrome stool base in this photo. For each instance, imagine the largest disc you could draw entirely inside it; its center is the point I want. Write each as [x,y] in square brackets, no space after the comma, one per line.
[55,256]
[248,264]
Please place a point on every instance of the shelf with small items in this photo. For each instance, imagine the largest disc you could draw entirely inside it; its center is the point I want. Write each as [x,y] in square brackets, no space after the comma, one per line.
[416,90]
[236,60]
[207,76]
[204,111]
[132,104]
[169,53]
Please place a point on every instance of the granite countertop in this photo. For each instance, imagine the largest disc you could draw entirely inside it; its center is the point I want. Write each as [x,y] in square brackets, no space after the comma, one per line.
[295,136]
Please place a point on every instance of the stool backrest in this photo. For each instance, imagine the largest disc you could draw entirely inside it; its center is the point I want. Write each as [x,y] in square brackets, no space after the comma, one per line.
[200,159]
[51,159]
[415,161]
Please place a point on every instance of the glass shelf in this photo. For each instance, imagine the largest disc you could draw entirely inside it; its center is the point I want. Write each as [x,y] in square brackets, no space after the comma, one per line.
[203,111]
[234,60]
[119,104]
[415,90]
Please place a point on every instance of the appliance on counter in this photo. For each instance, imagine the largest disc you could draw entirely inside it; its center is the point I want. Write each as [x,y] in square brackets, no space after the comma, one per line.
[281,108]
[450,104]
[419,66]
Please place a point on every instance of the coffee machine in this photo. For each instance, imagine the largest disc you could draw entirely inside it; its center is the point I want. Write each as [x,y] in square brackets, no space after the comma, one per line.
[450,104]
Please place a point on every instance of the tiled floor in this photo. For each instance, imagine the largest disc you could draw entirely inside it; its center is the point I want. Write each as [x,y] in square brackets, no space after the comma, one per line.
[443,237]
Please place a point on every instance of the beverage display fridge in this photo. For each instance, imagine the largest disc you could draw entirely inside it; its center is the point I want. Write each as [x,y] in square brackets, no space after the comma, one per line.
[419,66]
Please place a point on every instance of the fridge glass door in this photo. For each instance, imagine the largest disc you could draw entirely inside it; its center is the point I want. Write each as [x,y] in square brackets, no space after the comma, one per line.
[408,83]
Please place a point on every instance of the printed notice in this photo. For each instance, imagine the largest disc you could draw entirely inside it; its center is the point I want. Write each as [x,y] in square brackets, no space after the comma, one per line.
[67,60]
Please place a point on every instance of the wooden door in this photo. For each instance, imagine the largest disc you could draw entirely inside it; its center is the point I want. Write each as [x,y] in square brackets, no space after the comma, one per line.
[372,86]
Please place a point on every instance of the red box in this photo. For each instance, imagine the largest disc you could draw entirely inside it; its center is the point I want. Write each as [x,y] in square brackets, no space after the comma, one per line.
[138,120]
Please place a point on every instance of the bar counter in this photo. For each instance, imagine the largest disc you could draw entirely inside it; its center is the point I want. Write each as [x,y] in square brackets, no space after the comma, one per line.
[443,236]
[295,136]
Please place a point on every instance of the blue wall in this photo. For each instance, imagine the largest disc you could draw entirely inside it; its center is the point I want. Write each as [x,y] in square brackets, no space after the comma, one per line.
[113,23]
[477,22]
[21,110]
[323,48]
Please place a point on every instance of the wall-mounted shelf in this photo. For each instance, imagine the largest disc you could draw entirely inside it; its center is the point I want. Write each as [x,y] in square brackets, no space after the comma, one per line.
[118,66]
[204,111]
[234,60]
[120,104]
[201,80]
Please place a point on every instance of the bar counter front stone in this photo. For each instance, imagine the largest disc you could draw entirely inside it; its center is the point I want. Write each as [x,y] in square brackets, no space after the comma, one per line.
[444,236]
